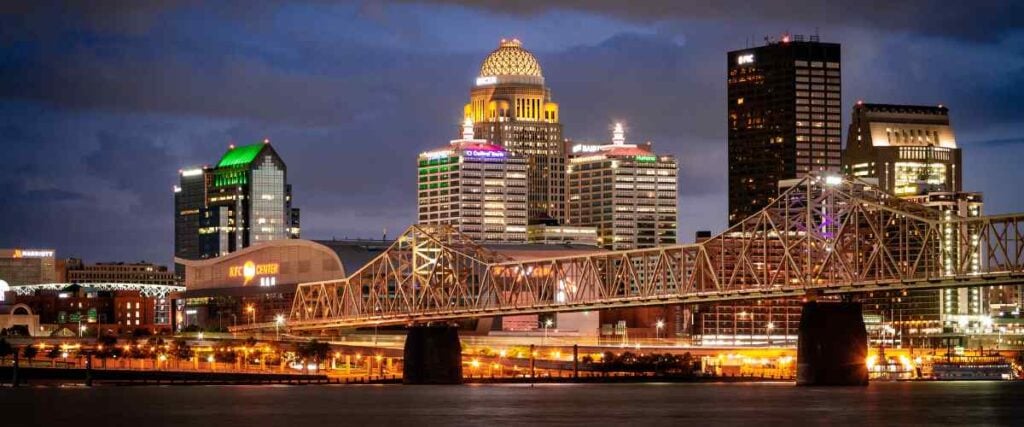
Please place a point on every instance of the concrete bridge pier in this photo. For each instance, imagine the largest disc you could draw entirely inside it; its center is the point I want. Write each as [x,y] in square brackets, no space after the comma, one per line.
[433,355]
[833,345]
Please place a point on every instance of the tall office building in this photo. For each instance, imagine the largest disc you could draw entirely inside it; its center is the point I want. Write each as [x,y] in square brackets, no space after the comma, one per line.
[784,106]
[510,106]
[785,120]
[189,201]
[478,187]
[911,151]
[629,193]
[625,190]
[244,200]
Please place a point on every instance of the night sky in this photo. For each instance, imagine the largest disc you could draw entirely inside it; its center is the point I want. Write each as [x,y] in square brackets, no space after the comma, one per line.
[101,104]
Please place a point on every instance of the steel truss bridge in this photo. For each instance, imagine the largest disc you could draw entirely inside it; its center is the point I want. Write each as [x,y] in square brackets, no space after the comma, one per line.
[823,236]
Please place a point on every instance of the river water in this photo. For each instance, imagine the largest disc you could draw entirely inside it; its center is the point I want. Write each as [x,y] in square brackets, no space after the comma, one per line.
[948,403]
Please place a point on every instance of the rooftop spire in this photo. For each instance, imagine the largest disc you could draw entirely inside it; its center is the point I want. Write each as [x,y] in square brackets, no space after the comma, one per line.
[618,135]
[467,128]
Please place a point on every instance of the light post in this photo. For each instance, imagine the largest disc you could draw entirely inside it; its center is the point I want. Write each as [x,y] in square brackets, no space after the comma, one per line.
[736,327]
[657,329]
[770,326]
[547,324]
[252,313]
[278,321]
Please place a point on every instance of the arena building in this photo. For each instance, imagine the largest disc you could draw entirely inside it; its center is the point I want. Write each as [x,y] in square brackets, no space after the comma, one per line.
[256,283]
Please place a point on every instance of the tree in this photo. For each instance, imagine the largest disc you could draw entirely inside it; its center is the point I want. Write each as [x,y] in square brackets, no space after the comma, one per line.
[314,350]
[225,355]
[5,350]
[107,340]
[182,351]
[30,352]
[53,354]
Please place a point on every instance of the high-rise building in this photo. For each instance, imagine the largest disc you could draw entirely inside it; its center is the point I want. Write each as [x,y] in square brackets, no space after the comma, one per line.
[189,202]
[510,106]
[478,187]
[784,118]
[911,152]
[909,149]
[244,200]
[625,190]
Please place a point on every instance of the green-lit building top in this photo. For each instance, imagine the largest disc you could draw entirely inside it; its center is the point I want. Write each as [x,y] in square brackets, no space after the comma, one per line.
[240,155]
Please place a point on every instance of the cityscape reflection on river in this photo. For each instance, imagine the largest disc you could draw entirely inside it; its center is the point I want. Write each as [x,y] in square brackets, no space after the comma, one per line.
[657,404]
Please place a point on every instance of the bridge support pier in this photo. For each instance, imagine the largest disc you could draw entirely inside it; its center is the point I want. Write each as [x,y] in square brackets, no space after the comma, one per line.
[833,345]
[433,355]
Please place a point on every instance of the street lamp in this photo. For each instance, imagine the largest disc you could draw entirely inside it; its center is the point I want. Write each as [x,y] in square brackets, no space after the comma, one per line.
[657,328]
[770,326]
[278,321]
[547,324]
[252,312]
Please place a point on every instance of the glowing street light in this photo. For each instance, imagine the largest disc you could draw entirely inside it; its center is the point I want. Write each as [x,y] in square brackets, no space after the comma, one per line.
[278,321]
[251,309]
[547,324]
[657,328]
[770,326]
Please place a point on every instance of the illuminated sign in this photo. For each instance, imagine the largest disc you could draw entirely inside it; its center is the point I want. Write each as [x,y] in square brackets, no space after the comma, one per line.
[745,59]
[484,154]
[191,172]
[646,159]
[585,148]
[434,155]
[33,253]
[489,80]
[250,270]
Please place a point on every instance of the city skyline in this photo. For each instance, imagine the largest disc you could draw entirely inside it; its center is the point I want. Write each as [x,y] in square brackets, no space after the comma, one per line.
[118,175]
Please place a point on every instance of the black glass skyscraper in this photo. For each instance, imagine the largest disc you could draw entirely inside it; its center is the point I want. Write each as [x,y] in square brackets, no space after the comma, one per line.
[784,106]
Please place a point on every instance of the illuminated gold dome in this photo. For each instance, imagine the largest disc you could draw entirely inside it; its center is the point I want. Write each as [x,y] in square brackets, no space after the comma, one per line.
[510,59]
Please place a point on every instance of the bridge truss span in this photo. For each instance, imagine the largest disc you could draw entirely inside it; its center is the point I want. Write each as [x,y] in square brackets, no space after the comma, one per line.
[822,236]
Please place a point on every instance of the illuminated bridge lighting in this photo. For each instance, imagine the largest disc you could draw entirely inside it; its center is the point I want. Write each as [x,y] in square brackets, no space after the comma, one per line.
[144,289]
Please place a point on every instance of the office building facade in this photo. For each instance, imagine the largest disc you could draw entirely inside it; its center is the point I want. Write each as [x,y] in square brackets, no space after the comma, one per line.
[628,192]
[510,106]
[28,267]
[911,151]
[244,200]
[784,118]
[479,187]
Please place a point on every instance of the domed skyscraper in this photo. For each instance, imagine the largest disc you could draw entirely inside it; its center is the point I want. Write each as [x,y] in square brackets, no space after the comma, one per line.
[510,106]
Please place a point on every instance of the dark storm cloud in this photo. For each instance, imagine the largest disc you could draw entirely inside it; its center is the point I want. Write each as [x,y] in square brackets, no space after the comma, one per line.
[101,103]
[989,19]
[136,165]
